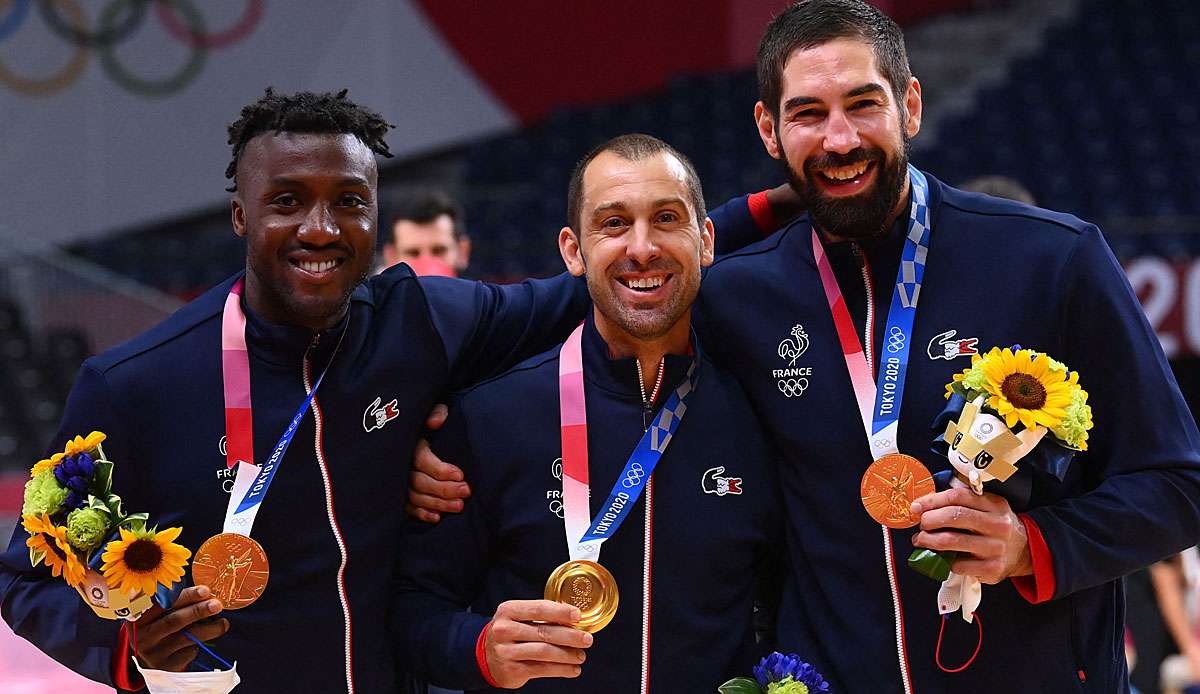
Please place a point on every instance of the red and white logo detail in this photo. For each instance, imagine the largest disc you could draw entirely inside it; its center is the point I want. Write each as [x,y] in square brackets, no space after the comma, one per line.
[944,346]
[713,483]
[376,416]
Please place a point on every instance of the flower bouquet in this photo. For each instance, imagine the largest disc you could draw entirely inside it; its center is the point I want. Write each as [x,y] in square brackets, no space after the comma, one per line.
[778,674]
[78,529]
[1011,405]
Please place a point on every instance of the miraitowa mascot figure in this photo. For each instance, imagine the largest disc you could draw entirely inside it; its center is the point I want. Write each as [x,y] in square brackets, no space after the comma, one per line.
[1013,406]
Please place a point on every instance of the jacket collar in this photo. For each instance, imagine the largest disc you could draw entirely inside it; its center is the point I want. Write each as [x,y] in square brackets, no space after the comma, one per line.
[286,345]
[620,376]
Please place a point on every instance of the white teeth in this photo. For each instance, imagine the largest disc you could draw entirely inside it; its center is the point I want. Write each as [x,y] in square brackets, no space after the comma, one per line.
[645,283]
[845,173]
[317,265]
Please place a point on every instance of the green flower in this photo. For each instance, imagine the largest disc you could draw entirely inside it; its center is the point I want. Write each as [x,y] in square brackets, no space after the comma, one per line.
[974,377]
[787,685]
[87,528]
[1055,365]
[43,495]
[1076,421]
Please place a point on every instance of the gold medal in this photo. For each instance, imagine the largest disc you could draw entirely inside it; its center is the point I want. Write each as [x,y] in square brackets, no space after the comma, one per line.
[234,567]
[588,586]
[890,485]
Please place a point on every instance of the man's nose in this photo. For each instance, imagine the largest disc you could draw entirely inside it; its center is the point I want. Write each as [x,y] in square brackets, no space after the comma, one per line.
[841,135]
[642,246]
[319,227]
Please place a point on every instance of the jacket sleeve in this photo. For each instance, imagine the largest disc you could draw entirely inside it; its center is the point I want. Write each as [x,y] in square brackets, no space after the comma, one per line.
[487,328]
[43,609]
[1142,467]
[742,221]
[441,569]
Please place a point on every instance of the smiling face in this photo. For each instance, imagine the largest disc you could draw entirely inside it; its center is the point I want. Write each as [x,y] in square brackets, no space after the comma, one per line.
[640,245]
[843,136]
[306,204]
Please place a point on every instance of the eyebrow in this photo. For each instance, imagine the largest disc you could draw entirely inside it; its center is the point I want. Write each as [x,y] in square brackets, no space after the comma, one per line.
[285,181]
[620,206]
[798,101]
[605,207]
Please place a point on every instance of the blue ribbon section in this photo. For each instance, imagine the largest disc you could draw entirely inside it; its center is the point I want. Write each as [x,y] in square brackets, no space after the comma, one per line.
[258,491]
[636,474]
[898,335]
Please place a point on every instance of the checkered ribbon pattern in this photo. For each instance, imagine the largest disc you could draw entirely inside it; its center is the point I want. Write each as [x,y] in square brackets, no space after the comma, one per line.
[672,412]
[912,268]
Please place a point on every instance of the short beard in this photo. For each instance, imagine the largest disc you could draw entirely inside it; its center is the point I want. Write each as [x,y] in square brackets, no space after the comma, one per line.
[862,216]
[645,324]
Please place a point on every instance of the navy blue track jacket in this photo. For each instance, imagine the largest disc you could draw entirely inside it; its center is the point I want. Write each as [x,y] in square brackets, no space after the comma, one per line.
[1001,273]
[704,546]
[331,522]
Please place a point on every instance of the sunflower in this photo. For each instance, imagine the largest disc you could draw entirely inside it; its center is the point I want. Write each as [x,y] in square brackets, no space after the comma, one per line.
[143,558]
[50,541]
[46,464]
[80,444]
[1022,387]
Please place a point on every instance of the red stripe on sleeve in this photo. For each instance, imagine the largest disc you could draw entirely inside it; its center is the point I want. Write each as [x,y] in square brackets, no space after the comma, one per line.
[125,677]
[760,210]
[1040,586]
[481,656]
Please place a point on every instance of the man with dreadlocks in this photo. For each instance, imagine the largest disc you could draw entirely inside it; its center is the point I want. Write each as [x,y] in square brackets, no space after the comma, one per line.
[190,403]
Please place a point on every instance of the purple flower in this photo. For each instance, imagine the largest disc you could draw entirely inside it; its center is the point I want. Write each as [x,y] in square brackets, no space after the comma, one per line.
[75,473]
[777,667]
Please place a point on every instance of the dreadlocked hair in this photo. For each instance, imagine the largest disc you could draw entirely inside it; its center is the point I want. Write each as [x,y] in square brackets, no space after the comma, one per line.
[305,112]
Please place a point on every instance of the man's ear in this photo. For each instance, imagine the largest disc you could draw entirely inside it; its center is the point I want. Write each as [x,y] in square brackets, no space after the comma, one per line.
[390,255]
[571,251]
[766,129]
[708,235]
[912,104]
[464,252]
[238,215]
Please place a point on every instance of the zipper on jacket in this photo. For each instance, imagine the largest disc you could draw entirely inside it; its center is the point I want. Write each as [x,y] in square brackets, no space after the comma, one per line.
[869,324]
[868,342]
[318,448]
[648,539]
[648,402]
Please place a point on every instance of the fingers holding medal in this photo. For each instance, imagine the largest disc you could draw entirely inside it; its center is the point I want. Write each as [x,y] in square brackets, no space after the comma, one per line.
[528,639]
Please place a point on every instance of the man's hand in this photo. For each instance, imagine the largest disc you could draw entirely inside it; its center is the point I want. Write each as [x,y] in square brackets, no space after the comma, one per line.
[984,528]
[785,204]
[160,643]
[434,487]
[518,649]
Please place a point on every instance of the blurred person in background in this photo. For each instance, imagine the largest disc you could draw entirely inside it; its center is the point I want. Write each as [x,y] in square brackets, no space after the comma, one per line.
[1176,583]
[429,233]
[1000,187]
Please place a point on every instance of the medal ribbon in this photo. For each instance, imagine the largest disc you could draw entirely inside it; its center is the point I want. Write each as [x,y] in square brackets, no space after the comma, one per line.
[584,536]
[251,481]
[879,403]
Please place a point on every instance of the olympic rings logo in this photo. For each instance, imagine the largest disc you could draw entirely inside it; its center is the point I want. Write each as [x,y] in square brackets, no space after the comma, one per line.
[634,476]
[792,387]
[118,20]
[896,340]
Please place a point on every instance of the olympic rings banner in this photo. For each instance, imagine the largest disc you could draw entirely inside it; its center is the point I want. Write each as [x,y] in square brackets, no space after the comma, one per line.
[115,110]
